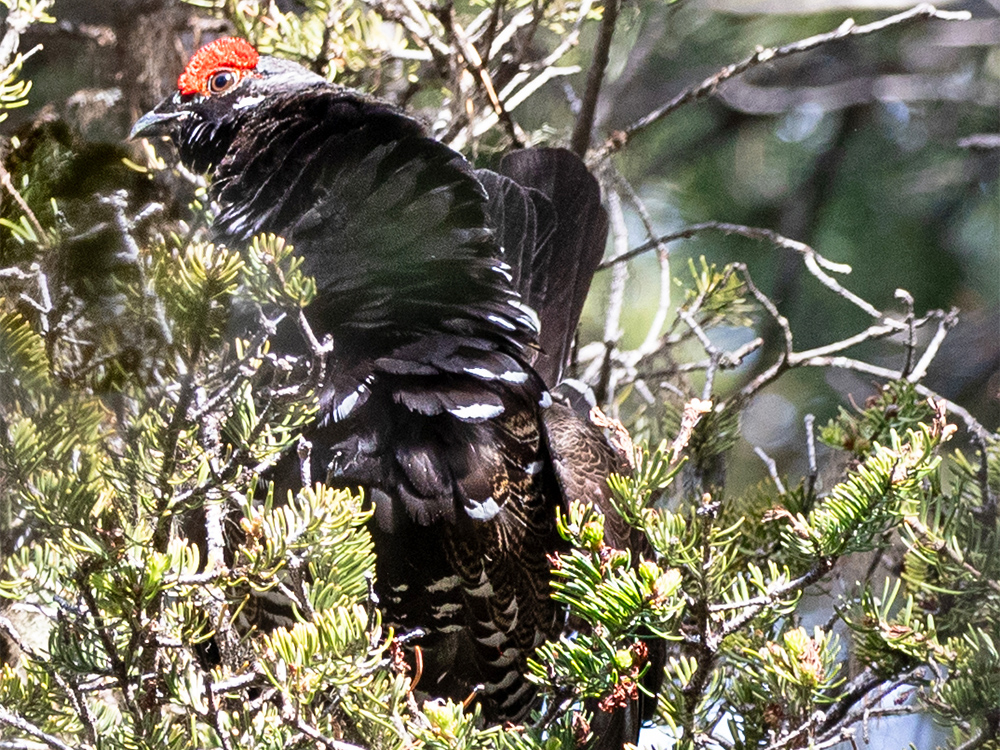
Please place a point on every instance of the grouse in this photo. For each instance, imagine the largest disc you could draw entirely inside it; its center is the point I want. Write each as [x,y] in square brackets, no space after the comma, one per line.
[452,296]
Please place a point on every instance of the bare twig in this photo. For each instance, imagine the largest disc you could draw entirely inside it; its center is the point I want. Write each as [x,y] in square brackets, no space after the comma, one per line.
[754,605]
[490,32]
[10,719]
[976,741]
[8,185]
[945,324]
[475,66]
[320,350]
[907,299]
[810,423]
[980,142]
[616,298]
[304,452]
[520,20]
[816,263]
[846,363]
[714,353]
[709,85]
[764,301]
[215,712]
[867,689]
[327,742]
[652,340]
[772,468]
[118,203]
[569,41]
[580,140]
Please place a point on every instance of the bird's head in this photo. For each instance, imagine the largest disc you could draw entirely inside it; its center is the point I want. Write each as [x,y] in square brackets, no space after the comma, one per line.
[222,84]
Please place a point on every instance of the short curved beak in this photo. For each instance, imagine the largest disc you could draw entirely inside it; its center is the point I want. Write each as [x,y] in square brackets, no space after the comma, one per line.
[161,120]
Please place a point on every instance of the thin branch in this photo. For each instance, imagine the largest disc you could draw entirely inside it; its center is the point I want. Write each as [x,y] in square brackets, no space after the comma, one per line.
[513,97]
[945,324]
[756,233]
[8,185]
[714,353]
[474,64]
[846,711]
[580,140]
[872,333]
[753,607]
[977,740]
[118,667]
[980,142]
[327,742]
[320,350]
[764,301]
[810,423]
[11,719]
[927,538]
[761,55]
[503,38]
[907,299]
[616,298]
[490,32]
[569,41]
[772,468]
[847,363]
[651,343]
[215,713]
[816,263]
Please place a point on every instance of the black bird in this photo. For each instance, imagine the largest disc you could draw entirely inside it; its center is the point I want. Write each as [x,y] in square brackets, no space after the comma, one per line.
[430,274]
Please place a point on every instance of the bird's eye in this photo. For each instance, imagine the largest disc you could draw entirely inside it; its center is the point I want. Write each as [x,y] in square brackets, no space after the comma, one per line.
[221,81]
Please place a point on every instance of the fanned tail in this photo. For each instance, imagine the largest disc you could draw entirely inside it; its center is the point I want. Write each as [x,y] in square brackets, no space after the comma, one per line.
[546,210]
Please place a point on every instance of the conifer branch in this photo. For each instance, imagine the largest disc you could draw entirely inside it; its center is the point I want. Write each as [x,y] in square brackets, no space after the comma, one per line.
[10,719]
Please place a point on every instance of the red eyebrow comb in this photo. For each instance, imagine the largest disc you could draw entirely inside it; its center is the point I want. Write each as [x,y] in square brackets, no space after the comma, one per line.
[227,52]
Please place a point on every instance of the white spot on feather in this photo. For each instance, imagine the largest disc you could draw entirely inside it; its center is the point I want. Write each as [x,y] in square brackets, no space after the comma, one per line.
[444,584]
[514,376]
[477,411]
[527,311]
[484,589]
[506,658]
[515,698]
[482,511]
[501,322]
[506,682]
[346,406]
[446,610]
[248,101]
[493,641]
[480,372]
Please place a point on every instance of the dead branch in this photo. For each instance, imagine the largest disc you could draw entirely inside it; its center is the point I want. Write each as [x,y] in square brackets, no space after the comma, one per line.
[580,141]
[764,55]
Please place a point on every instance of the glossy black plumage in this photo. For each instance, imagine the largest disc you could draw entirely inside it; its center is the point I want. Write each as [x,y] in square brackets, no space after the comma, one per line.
[437,402]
